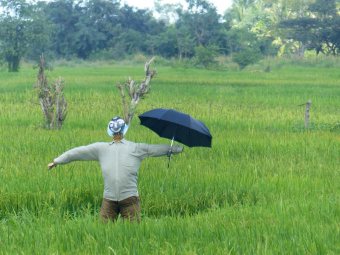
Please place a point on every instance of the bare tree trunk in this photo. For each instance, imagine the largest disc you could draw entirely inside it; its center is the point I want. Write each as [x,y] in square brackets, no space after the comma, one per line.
[60,102]
[51,98]
[135,91]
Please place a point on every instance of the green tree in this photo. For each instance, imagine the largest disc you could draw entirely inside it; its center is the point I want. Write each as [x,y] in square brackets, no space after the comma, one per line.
[185,43]
[168,13]
[14,41]
[239,11]
[41,30]
[245,47]
[64,16]
[262,18]
[22,28]
[327,21]
[165,43]
[319,31]
[202,22]
[139,31]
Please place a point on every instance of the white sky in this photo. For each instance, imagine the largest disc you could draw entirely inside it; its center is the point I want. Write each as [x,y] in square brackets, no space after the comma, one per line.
[221,5]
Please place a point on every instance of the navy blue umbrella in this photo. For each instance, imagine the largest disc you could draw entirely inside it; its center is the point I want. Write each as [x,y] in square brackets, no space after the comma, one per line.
[177,126]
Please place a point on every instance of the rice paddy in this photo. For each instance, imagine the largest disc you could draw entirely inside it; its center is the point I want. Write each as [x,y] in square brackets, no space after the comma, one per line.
[268,185]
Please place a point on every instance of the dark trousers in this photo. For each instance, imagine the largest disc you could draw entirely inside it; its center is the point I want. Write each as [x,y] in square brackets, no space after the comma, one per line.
[128,208]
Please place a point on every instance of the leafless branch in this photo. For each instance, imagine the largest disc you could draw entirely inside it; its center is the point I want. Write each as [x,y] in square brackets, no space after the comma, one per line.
[51,98]
[135,91]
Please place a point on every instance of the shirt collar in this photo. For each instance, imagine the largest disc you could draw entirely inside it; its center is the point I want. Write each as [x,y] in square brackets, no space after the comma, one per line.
[123,141]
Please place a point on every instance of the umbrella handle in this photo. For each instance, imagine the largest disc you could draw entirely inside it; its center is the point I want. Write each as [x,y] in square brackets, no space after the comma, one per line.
[170,151]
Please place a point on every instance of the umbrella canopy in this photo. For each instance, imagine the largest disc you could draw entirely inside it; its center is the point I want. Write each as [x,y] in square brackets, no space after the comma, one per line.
[178,126]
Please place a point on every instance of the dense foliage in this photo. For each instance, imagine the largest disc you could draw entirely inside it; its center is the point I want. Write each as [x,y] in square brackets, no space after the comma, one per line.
[106,29]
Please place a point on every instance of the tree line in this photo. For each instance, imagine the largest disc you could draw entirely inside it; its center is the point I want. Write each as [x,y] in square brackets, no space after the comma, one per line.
[106,29]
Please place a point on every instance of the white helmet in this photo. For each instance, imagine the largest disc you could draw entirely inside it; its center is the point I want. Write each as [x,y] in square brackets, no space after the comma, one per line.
[117,125]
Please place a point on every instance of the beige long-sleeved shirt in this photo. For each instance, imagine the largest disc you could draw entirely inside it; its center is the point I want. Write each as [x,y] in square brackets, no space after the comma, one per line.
[119,162]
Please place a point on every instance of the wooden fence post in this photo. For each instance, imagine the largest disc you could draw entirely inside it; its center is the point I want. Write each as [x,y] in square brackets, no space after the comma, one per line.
[307,113]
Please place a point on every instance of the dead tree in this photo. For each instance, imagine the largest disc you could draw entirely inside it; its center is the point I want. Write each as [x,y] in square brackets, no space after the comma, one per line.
[61,105]
[51,98]
[135,92]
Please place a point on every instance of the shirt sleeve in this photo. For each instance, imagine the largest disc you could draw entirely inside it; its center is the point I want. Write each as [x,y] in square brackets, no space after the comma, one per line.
[150,150]
[89,152]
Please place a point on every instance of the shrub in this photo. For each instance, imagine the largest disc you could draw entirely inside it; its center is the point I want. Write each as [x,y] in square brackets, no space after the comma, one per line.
[246,57]
[205,56]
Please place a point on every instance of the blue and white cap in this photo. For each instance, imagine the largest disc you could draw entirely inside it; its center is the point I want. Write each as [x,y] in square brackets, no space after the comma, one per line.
[117,125]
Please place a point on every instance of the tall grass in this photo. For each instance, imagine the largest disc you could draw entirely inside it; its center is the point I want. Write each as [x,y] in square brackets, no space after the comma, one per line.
[267,185]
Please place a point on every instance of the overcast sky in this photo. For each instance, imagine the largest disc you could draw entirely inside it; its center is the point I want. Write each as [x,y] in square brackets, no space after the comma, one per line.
[221,5]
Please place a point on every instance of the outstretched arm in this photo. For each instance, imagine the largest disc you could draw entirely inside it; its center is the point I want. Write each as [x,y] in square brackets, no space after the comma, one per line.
[89,152]
[150,150]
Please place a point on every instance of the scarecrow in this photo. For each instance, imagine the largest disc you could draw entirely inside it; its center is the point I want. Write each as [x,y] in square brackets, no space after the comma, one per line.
[120,159]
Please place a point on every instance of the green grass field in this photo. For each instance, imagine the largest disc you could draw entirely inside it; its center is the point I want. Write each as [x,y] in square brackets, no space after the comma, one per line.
[267,185]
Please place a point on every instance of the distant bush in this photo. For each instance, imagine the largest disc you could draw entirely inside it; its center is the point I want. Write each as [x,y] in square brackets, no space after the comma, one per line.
[246,57]
[140,58]
[226,62]
[309,61]
[101,55]
[205,56]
